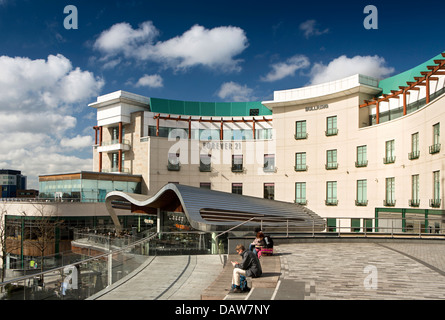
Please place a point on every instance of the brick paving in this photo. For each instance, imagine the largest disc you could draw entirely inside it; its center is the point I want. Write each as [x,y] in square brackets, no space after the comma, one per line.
[306,271]
[345,270]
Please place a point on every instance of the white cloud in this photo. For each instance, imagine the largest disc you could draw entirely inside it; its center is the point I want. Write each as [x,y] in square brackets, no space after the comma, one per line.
[235,92]
[213,48]
[309,29]
[38,99]
[285,69]
[152,81]
[341,67]
[78,142]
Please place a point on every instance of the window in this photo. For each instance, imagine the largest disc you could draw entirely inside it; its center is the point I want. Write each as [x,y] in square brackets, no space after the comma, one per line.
[415,153]
[254,112]
[300,130]
[114,162]
[173,162]
[332,224]
[300,161]
[205,185]
[269,191]
[331,193]
[205,163]
[414,201]
[331,160]
[389,152]
[355,225]
[362,157]
[362,199]
[435,148]
[300,193]
[331,126]
[237,163]
[237,188]
[435,202]
[269,163]
[390,192]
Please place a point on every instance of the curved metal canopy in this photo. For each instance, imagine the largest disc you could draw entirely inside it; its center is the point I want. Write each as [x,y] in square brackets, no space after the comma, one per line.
[209,210]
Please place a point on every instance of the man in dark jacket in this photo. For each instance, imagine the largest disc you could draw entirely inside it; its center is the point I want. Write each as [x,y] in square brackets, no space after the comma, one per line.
[250,267]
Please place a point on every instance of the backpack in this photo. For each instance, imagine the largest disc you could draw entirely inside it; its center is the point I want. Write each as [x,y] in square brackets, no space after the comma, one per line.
[242,284]
[269,241]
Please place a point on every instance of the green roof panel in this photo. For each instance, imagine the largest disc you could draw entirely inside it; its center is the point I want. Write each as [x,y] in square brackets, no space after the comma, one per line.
[393,83]
[209,109]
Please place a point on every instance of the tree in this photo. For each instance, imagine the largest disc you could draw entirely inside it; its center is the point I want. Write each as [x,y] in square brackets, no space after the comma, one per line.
[5,245]
[42,234]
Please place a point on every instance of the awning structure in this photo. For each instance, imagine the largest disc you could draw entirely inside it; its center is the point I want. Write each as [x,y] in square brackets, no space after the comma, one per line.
[212,211]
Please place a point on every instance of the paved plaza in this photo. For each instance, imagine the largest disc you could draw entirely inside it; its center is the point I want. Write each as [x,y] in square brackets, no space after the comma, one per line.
[309,271]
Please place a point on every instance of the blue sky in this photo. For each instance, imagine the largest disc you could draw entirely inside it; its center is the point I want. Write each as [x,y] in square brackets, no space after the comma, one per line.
[185,50]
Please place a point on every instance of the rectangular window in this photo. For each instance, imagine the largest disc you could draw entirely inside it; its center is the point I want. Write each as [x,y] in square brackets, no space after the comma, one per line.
[237,188]
[435,148]
[205,163]
[435,202]
[389,152]
[331,193]
[362,198]
[269,163]
[414,202]
[332,224]
[415,153]
[300,161]
[355,225]
[390,192]
[300,130]
[205,185]
[300,193]
[269,191]
[362,157]
[331,126]
[331,160]
[237,163]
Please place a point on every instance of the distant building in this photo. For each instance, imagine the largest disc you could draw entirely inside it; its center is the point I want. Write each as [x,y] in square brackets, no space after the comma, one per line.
[86,186]
[10,182]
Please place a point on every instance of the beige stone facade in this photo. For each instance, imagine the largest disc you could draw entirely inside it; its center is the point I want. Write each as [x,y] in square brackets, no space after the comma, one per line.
[400,164]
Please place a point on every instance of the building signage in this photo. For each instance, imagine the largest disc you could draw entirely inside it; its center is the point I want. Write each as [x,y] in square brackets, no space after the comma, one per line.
[222,145]
[319,107]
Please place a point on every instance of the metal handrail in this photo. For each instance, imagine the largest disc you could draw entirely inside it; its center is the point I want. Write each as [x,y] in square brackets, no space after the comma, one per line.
[79,262]
[219,253]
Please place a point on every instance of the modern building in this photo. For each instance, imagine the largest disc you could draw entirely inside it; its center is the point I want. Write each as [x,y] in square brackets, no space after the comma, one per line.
[350,150]
[10,182]
[86,186]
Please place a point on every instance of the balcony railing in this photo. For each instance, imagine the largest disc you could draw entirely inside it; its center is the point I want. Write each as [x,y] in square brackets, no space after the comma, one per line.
[331,132]
[301,136]
[173,166]
[389,159]
[435,203]
[361,163]
[205,167]
[389,202]
[361,203]
[414,202]
[331,202]
[331,166]
[414,155]
[300,167]
[435,148]
[115,141]
[237,168]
